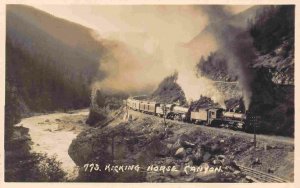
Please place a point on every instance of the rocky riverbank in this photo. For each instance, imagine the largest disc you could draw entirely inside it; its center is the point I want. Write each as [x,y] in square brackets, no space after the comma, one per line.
[52,134]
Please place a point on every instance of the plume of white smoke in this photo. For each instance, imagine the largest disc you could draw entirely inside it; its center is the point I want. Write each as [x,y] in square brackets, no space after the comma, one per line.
[196,86]
[193,84]
[158,49]
[151,46]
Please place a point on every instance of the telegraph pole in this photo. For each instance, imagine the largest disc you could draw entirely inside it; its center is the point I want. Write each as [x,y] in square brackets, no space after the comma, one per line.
[164,112]
[252,122]
[254,125]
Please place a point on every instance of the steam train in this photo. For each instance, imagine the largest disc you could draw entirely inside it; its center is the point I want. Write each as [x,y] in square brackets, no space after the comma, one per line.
[217,117]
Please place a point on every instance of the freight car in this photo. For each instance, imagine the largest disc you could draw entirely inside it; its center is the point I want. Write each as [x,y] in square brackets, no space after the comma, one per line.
[148,107]
[133,104]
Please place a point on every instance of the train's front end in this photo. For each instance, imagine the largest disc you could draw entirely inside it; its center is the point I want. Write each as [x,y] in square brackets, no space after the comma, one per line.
[234,120]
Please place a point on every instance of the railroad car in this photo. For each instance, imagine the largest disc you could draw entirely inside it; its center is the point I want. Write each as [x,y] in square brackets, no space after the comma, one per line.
[160,110]
[148,107]
[133,104]
[199,117]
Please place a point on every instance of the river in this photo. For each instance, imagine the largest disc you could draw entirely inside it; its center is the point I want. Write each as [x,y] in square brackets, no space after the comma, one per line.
[53,133]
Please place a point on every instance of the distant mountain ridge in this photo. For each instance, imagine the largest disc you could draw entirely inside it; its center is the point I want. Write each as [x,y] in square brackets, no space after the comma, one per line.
[70,33]
[70,43]
[238,20]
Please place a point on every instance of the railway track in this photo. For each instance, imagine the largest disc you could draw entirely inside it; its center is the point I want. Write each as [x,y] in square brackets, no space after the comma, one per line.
[258,176]
[261,137]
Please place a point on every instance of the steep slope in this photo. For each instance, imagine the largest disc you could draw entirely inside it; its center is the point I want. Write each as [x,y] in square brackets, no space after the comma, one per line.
[273,85]
[51,62]
[168,91]
[273,37]
[271,32]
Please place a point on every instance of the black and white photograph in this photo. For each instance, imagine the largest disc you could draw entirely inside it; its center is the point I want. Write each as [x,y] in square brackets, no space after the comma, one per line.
[149,93]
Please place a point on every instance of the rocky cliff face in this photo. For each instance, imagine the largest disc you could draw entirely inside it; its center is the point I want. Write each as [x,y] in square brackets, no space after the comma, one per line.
[280,62]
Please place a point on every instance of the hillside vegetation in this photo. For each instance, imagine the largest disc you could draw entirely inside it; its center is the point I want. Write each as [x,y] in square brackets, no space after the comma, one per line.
[272,27]
[272,84]
[273,100]
[215,67]
[168,91]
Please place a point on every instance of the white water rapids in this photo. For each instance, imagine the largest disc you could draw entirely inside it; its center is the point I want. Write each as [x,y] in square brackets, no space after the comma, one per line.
[53,133]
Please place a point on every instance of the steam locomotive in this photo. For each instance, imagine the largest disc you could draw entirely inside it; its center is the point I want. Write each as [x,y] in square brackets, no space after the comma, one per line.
[217,117]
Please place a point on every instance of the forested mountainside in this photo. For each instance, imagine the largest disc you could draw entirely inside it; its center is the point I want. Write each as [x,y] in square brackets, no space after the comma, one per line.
[214,66]
[49,61]
[273,37]
[272,84]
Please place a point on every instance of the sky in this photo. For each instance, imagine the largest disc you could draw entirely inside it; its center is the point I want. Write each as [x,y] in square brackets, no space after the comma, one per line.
[106,19]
